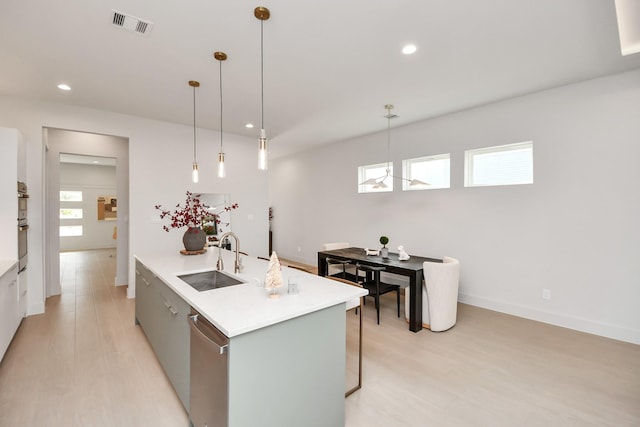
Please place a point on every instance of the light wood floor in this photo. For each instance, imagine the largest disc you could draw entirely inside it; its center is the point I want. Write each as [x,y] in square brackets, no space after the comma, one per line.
[85,363]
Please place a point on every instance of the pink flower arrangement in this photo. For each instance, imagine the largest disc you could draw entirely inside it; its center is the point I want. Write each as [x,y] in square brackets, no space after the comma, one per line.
[193,214]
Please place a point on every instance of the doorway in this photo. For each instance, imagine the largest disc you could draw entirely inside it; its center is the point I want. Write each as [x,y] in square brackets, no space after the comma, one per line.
[78,191]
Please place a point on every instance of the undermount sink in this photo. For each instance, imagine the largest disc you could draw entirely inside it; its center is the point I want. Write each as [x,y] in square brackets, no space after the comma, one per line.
[208,280]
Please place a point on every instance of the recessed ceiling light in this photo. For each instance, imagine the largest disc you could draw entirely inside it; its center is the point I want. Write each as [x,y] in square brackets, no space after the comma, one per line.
[95,162]
[249,125]
[409,49]
[63,86]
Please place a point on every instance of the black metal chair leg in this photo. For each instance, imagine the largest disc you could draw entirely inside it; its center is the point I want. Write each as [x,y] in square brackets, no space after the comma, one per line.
[377,279]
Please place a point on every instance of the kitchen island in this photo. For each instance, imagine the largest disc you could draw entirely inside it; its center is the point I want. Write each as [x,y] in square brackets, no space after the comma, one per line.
[286,356]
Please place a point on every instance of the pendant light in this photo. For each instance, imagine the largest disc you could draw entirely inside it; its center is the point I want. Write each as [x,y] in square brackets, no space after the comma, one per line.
[220,56]
[380,181]
[262,13]
[194,174]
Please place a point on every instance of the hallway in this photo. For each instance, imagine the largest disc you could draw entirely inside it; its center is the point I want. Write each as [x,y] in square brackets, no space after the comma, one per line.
[84,362]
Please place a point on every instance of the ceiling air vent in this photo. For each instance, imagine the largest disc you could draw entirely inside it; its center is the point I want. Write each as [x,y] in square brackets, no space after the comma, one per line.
[129,22]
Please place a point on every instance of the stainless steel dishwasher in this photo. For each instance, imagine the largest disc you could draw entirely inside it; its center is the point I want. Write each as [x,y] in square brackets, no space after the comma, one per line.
[209,374]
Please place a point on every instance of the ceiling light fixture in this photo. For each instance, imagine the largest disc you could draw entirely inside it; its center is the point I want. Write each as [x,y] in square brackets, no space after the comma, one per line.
[249,125]
[379,182]
[409,49]
[262,13]
[220,56]
[63,86]
[194,174]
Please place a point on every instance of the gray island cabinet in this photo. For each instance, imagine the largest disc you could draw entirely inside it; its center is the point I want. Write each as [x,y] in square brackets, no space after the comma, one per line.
[162,314]
[285,357]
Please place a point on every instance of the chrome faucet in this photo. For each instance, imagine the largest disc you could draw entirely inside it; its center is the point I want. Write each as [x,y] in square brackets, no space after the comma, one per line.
[220,264]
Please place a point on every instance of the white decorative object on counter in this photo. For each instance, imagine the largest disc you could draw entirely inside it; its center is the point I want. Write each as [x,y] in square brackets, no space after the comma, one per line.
[372,251]
[402,254]
[274,276]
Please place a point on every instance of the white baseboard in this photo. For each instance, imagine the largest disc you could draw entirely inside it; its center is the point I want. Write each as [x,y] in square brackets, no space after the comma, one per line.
[564,320]
[37,308]
[131,292]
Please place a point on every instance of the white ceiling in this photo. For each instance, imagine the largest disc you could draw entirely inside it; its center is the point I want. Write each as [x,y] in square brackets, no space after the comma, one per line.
[329,66]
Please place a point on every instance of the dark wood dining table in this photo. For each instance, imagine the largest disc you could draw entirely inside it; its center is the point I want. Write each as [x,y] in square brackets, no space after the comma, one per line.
[411,268]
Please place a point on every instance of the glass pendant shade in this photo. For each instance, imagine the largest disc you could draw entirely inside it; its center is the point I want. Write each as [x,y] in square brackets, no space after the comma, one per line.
[221,56]
[221,171]
[262,151]
[262,14]
[194,173]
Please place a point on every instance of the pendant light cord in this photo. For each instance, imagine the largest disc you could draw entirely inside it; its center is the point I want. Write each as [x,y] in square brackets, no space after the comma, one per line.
[221,146]
[388,141]
[262,73]
[194,124]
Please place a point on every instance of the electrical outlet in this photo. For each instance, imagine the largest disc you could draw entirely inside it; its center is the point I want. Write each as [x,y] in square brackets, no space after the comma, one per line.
[546,294]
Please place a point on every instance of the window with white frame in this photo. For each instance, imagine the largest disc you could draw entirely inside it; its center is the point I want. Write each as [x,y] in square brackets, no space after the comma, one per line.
[70,230]
[378,178]
[70,196]
[510,164]
[433,170]
[70,213]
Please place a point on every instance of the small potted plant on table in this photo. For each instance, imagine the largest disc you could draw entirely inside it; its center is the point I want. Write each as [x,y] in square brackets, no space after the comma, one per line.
[384,251]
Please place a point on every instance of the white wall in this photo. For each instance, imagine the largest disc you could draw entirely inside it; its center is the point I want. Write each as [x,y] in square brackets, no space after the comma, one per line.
[160,156]
[9,140]
[575,231]
[94,181]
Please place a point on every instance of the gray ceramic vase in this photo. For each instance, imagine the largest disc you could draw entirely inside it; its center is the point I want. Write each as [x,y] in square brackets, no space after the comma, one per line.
[194,239]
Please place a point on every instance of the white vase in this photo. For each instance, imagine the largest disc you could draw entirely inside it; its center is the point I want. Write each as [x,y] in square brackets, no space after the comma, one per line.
[384,252]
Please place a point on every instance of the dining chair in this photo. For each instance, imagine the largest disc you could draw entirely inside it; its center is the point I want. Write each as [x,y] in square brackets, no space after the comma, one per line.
[371,281]
[439,295]
[345,268]
[296,267]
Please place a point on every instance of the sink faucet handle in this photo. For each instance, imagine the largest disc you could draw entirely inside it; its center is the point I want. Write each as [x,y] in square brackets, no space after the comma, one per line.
[220,264]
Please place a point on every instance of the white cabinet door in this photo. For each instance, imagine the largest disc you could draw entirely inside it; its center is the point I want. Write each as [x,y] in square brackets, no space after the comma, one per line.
[8,307]
[22,295]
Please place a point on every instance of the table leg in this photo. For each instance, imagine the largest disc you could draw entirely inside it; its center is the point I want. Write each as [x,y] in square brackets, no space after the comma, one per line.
[322,265]
[415,311]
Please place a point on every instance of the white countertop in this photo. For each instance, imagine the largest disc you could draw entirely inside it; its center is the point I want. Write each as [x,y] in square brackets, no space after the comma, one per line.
[6,265]
[246,307]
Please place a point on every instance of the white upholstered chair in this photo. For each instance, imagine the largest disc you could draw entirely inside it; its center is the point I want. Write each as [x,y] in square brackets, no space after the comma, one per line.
[332,246]
[439,294]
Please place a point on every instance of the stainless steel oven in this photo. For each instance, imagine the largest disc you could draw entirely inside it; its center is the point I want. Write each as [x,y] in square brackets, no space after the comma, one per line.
[23,225]
[23,197]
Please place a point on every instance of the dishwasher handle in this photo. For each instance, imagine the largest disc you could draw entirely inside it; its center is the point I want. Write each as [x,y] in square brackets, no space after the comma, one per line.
[214,337]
